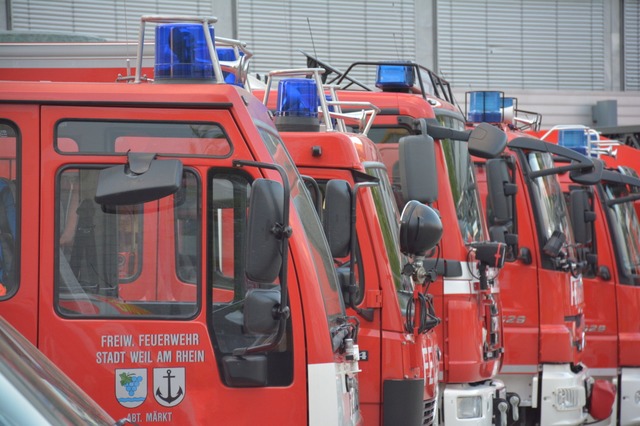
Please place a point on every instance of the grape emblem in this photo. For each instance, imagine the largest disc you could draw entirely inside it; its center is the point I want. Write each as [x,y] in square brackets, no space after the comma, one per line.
[131,386]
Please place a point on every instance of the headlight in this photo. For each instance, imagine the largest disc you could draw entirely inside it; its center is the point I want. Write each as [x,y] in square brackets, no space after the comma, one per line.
[567,398]
[469,407]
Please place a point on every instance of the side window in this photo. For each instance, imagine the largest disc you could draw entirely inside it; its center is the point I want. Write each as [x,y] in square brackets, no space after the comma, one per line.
[463,185]
[128,260]
[228,197]
[389,134]
[9,211]
[229,201]
[187,230]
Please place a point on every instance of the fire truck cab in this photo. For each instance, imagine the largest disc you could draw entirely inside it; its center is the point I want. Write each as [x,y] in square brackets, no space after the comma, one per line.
[160,247]
[543,291]
[610,242]
[379,265]
[422,142]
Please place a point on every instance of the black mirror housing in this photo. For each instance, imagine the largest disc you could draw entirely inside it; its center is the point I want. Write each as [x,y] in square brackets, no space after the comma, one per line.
[264,257]
[554,244]
[500,191]
[420,229]
[490,253]
[337,217]
[260,311]
[141,180]
[418,174]
[487,141]
[588,176]
[581,216]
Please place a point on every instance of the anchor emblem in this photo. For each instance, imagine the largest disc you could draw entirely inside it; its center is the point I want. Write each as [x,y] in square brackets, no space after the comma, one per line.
[165,380]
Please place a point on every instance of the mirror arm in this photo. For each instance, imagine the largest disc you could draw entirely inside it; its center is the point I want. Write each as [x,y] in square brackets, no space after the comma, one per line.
[558,170]
[621,200]
[440,132]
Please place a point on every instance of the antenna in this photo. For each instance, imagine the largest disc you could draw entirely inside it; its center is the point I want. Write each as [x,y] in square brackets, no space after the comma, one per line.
[126,38]
[311,34]
[453,98]
[396,45]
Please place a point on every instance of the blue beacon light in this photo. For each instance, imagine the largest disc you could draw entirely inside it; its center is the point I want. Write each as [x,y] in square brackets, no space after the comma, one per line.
[182,53]
[484,106]
[297,105]
[395,77]
[227,54]
[508,102]
[576,139]
[297,97]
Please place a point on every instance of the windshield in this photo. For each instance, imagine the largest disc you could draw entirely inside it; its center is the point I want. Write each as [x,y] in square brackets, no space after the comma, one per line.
[552,211]
[318,247]
[464,189]
[389,218]
[625,230]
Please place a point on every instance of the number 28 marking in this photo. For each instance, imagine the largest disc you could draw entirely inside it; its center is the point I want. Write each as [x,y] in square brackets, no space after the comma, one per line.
[514,319]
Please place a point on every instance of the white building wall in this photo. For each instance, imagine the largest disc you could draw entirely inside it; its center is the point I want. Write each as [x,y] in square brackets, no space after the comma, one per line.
[344,30]
[572,107]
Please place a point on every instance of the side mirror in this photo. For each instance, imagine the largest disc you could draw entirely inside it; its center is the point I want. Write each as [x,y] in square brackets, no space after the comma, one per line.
[501,191]
[418,174]
[142,179]
[420,229]
[554,244]
[487,141]
[264,257]
[590,176]
[582,216]
[260,311]
[337,217]
[490,253]
[604,273]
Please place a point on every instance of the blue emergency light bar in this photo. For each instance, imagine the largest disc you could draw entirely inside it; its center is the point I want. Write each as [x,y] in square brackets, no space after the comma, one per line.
[182,52]
[485,106]
[297,97]
[227,54]
[508,102]
[395,77]
[576,139]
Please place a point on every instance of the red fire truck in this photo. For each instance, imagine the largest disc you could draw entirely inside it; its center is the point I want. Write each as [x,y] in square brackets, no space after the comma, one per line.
[610,242]
[436,163]
[160,247]
[385,289]
[542,288]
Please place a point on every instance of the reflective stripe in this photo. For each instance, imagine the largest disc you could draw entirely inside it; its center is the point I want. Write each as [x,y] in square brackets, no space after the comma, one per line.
[519,369]
[468,281]
[603,372]
[458,287]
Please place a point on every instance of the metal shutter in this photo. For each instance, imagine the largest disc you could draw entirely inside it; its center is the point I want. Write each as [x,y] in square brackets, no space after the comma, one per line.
[631,47]
[112,20]
[520,44]
[339,32]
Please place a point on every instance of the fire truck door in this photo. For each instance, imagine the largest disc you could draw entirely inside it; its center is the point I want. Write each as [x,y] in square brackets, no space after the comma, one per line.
[19,168]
